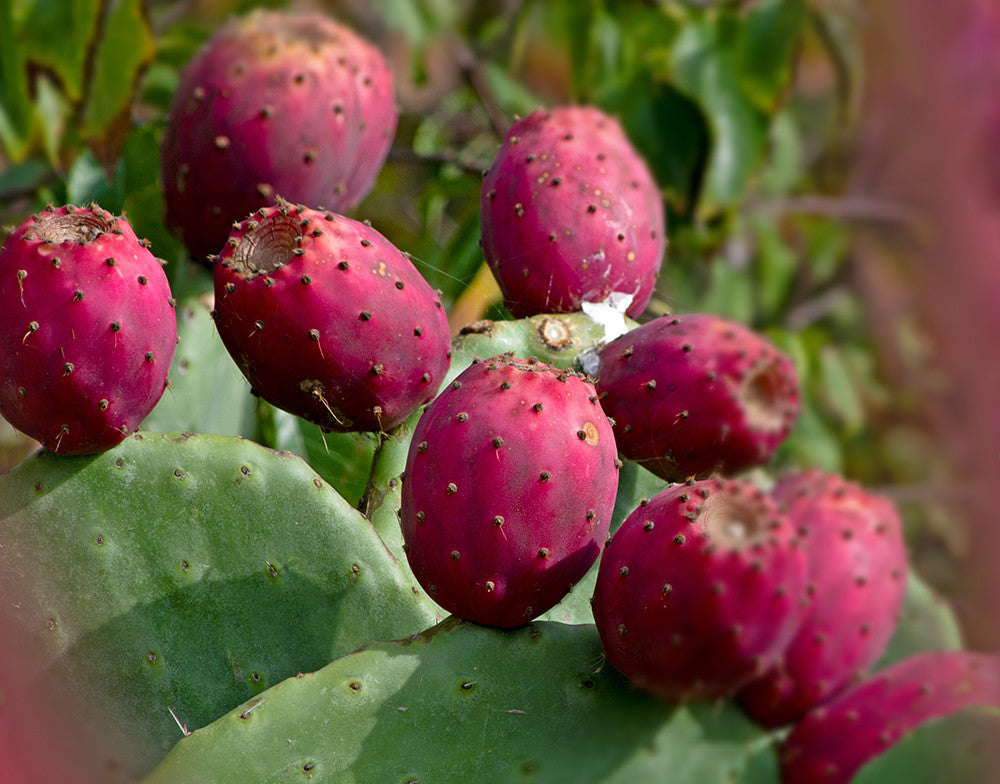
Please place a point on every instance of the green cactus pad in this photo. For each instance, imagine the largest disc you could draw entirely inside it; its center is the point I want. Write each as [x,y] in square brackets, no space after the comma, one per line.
[462,703]
[207,393]
[959,749]
[188,573]
[556,339]
[927,622]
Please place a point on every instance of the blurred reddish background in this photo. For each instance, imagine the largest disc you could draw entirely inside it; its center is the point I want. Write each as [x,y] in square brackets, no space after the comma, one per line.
[930,139]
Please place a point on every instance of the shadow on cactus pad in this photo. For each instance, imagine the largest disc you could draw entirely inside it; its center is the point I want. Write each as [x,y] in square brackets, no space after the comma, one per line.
[463,703]
[179,575]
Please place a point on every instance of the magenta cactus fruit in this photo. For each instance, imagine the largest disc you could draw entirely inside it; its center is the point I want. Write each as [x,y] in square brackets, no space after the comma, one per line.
[835,740]
[509,487]
[699,591]
[696,394]
[277,103]
[856,583]
[328,320]
[570,213]
[88,326]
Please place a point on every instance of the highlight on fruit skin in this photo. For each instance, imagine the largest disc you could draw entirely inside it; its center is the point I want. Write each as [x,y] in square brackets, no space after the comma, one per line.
[276,103]
[328,320]
[697,394]
[571,213]
[88,322]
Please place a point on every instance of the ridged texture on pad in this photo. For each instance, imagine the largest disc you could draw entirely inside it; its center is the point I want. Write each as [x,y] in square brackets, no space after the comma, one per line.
[277,103]
[857,582]
[570,213]
[700,590]
[509,488]
[328,320]
[187,573]
[88,329]
[464,703]
[697,393]
[835,740]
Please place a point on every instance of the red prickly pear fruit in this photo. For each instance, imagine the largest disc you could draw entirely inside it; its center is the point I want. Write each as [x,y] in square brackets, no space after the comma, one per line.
[88,326]
[328,320]
[856,584]
[571,213]
[699,591]
[276,103]
[697,394]
[835,740]
[509,488]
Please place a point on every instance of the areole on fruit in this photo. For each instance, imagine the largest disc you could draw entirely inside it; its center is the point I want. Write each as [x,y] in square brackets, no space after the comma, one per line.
[767,393]
[77,226]
[267,246]
[734,521]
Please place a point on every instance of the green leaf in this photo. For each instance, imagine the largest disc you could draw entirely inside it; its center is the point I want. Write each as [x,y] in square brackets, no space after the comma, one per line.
[58,35]
[17,121]
[768,42]
[706,69]
[23,177]
[126,47]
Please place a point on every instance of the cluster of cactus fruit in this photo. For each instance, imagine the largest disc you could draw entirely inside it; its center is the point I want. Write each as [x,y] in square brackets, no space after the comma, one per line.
[520,467]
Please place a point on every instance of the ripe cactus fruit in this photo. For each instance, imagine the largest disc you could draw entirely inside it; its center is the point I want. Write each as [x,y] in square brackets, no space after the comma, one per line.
[510,484]
[277,103]
[697,393]
[833,741]
[699,591]
[571,213]
[89,329]
[856,585]
[328,320]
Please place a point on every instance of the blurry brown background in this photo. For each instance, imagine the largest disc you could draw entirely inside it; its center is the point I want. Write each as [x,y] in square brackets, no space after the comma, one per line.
[930,139]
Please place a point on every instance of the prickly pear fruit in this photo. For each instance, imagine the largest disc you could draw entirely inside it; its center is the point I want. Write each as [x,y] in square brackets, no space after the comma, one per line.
[570,213]
[510,484]
[699,591]
[277,103]
[328,320]
[697,393]
[88,326]
[856,585]
[833,741]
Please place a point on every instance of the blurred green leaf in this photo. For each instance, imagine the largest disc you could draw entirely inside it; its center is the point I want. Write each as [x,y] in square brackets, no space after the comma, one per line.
[16,119]
[22,177]
[766,51]
[706,68]
[59,36]
[125,48]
